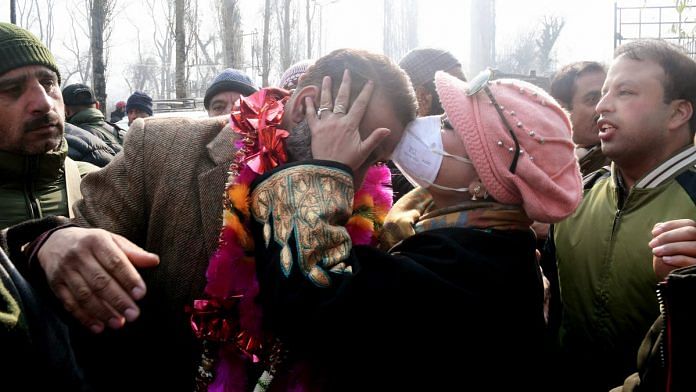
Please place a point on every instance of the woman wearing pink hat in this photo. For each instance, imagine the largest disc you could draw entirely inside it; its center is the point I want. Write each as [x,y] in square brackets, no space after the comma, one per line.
[456,303]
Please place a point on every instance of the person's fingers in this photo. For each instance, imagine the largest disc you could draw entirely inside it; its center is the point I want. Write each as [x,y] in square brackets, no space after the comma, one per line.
[71,306]
[663,227]
[102,277]
[326,96]
[116,323]
[92,271]
[357,110]
[679,234]
[684,248]
[679,261]
[372,142]
[88,299]
[310,113]
[121,259]
[343,95]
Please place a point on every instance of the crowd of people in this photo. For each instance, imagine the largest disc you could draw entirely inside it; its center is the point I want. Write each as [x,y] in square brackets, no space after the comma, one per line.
[363,225]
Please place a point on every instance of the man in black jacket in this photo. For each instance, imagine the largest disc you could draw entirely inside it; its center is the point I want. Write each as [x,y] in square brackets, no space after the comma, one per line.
[83,146]
[119,113]
[82,109]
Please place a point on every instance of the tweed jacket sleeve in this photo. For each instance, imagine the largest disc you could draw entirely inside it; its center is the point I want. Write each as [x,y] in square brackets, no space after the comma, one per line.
[154,184]
[115,198]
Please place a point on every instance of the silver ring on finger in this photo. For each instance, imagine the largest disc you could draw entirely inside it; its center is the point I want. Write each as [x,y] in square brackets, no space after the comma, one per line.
[339,109]
[320,111]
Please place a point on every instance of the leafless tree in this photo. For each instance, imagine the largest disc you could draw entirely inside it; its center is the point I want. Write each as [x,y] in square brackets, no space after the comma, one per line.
[26,10]
[163,20]
[98,15]
[101,18]
[551,27]
[180,39]
[46,25]
[400,27]
[13,11]
[310,12]
[37,16]
[533,50]
[195,86]
[266,49]
[520,57]
[287,17]
[206,66]
[142,75]
[231,33]
[81,62]
[320,29]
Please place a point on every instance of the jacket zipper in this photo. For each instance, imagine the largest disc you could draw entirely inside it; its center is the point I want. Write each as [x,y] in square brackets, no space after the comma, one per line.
[30,174]
[617,218]
[666,341]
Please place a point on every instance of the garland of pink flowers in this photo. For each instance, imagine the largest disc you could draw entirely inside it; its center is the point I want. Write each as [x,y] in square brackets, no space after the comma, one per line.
[228,321]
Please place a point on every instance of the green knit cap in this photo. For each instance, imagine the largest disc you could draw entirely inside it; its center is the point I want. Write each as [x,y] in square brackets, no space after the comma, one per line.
[19,48]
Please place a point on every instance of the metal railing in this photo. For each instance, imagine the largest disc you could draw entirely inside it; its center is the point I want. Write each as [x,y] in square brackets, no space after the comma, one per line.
[657,21]
[177,105]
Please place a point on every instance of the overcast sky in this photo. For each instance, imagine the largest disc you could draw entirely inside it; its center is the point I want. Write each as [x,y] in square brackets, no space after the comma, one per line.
[587,35]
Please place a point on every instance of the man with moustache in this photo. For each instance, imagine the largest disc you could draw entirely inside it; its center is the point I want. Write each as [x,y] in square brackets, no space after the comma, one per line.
[164,193]
[577,87]
[603,254]
[37,179]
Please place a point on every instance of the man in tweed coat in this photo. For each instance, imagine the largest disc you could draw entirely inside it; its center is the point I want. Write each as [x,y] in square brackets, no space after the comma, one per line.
[164,194]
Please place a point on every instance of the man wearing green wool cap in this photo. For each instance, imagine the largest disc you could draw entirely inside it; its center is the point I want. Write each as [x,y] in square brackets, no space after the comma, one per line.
[36,180]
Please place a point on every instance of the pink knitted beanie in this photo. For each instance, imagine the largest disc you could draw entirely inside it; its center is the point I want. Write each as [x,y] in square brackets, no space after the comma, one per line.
[546,181]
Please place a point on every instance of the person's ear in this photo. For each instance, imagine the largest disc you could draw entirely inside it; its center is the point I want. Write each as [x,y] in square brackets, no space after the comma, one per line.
[297,112]
[683,111]
[425,101]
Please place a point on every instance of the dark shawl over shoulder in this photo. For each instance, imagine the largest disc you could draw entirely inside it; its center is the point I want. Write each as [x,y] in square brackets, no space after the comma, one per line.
[456,308]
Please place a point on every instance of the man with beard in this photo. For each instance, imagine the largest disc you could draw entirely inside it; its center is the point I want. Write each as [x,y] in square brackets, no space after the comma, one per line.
[164,194]
[36,177]
[36,180]
[577,87]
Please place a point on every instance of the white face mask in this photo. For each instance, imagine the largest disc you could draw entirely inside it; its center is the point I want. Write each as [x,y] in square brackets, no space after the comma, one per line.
[420,152]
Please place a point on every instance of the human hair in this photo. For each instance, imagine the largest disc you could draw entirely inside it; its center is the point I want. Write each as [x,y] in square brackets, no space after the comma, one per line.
[563,83]
[388,78]
[678,67]
[435,104]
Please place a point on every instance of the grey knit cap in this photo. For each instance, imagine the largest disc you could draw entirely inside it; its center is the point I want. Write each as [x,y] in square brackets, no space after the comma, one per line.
[141,101]
[229,80]
[422,63]
[19,48]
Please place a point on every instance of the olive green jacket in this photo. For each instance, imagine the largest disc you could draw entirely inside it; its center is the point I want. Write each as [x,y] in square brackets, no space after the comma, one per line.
[34,186]
[605,269]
